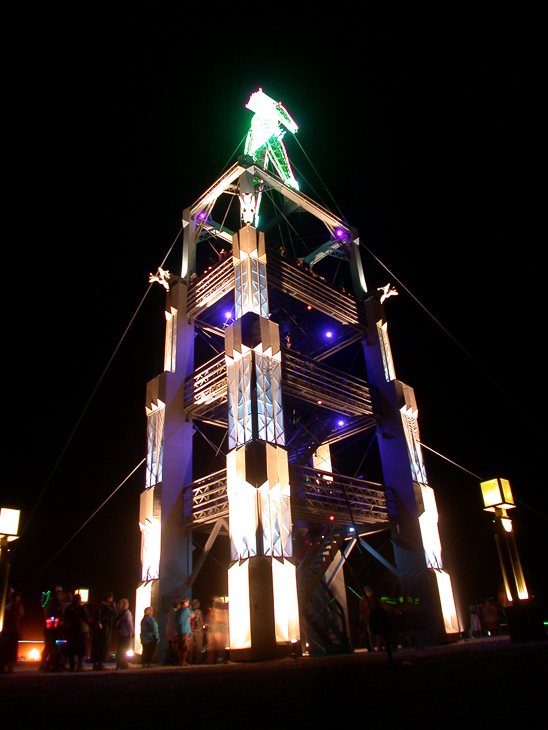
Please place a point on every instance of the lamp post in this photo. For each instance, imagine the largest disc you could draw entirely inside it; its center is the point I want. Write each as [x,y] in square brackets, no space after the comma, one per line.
[498,498]
[524,620]
[9,524]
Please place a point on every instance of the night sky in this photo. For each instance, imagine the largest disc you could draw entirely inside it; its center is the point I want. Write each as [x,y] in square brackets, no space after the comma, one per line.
[426,138]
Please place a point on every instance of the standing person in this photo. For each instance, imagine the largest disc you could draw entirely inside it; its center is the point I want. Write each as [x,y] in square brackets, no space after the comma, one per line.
[475,623]
[367,603]
[102,621]
[124,633]
[76,625]
[9,638]
[54,605]
[49,641]
[217,630]
[149,637]
[197,633]
[171,634]
[378,622]
[491,618]
[184,630]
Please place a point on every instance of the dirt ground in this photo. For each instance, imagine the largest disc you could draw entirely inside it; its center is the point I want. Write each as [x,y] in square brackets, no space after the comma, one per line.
[487,680]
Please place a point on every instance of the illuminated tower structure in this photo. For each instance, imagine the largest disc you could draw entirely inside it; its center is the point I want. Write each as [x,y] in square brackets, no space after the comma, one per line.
[274,321]
[165,549]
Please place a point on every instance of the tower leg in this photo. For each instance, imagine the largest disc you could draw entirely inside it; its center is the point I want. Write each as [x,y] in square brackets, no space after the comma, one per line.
[263,607]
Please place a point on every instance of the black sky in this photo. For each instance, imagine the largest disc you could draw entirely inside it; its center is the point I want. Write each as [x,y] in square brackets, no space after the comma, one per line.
[426,134]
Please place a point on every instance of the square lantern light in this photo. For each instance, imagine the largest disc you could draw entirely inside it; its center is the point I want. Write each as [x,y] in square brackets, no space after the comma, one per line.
[9,523]
[83,593]
[497,494]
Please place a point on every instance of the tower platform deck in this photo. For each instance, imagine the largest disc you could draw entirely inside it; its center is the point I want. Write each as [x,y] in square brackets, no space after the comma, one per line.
[317,497]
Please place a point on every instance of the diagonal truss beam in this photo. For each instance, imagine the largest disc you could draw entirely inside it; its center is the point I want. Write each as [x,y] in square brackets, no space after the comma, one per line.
[219,524]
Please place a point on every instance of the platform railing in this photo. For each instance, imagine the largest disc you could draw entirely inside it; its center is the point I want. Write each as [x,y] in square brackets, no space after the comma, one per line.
[325,497]
[206,386]
[206,290]
[302,284]
[316,496]
[317,383]
[307,287]
[205,500]
[303,379]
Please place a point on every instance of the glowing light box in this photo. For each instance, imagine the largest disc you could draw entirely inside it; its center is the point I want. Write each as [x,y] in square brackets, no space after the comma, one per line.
[9,521]
[497,493]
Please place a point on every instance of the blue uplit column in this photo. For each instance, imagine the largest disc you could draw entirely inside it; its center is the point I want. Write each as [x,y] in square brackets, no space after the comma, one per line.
[264,616]
[165,546]
[415,537]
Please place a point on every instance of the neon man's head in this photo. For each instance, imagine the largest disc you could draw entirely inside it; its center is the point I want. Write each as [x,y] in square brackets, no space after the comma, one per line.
[260,103]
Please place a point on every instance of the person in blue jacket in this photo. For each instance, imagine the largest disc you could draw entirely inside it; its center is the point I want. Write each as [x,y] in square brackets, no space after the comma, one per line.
[149,637]
[184,630]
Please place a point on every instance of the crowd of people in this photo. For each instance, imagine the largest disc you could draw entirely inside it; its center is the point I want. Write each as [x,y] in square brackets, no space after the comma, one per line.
[486,619]
[185,632]
[76,632]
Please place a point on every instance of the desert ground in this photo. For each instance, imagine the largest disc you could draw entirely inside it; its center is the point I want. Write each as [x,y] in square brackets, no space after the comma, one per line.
[483,680]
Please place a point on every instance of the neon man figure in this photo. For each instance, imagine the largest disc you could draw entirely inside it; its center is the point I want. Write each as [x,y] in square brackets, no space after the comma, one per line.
[264,139]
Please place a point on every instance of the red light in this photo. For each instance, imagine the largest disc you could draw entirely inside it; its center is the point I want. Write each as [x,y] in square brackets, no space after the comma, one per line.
[331,518]
[309,307]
